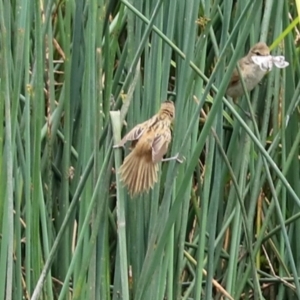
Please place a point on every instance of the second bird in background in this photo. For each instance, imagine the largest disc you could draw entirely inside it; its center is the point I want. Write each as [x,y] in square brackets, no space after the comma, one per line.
[251,72]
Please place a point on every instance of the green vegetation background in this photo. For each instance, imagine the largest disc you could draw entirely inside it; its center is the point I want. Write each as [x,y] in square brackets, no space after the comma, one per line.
[222,225]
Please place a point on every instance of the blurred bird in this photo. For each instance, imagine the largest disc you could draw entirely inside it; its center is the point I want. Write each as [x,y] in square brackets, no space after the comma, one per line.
[150,141]
[250,71]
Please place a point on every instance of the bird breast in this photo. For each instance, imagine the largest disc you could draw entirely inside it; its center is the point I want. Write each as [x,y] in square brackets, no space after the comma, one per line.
[253,76]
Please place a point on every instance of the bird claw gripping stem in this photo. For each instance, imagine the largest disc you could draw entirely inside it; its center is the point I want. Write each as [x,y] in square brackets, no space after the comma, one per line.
[175,157]
[117,146]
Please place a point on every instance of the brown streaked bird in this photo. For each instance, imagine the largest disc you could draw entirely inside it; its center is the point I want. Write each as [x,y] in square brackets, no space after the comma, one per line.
[150,141]
[251,73]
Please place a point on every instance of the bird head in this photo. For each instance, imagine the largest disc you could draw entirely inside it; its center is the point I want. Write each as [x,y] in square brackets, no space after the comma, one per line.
[259,49]
[167,110]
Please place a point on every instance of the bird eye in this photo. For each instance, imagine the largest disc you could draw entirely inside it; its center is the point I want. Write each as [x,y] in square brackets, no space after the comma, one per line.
[257,53]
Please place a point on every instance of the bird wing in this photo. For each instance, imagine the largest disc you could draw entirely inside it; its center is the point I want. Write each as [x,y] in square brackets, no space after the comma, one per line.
[160,144]
[235,77]
[136,132]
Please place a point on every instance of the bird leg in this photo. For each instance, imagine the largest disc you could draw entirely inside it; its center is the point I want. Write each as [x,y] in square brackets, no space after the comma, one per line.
[118,146]
[247,113]
[175,157]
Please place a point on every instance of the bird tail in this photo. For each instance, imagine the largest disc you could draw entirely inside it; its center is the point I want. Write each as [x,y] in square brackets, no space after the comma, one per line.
[138,173]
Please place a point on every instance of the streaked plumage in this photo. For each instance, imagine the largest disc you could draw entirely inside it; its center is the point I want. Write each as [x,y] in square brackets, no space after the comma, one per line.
[150,141]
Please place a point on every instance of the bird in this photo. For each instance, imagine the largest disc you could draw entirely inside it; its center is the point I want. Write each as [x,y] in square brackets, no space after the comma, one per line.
[250,71]
[149,141]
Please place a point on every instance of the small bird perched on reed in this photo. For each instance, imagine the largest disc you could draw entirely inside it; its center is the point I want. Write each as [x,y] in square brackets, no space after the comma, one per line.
[150,141]
[250,71]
